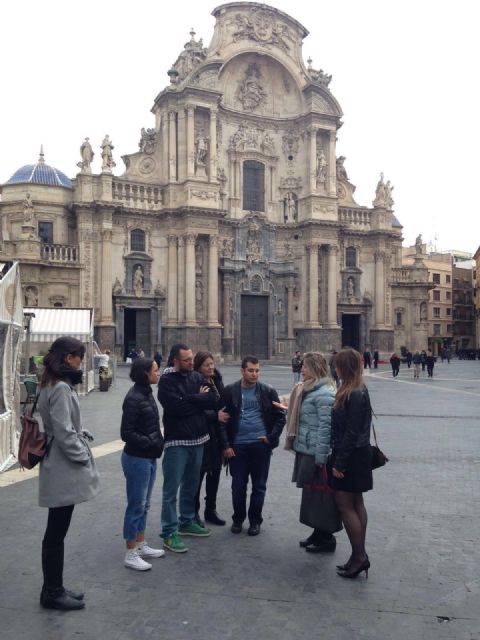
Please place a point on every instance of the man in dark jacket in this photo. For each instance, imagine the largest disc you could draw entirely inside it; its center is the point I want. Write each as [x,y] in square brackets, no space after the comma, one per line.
[297,364]
[248,438]
[184,396]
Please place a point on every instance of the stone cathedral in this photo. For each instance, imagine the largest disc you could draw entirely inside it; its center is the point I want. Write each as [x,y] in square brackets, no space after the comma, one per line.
[233,227]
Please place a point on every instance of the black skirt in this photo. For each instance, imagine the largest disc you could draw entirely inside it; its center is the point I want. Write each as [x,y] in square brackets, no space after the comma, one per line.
[358,474]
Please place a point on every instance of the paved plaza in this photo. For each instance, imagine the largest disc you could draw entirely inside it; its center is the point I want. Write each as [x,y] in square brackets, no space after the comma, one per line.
[423,539]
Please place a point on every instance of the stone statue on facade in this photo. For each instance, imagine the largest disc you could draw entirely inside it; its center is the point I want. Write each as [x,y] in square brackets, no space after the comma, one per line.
[321,168]
[290,203]
[201,150]
[250,91]
[147,140]
[87,154]
[138,281]
[350,288]
[227,248]
[27,209]
[341,171]
[389,202]
[117,288]
[107,158]
[380,200]
[418,244]
[31,297]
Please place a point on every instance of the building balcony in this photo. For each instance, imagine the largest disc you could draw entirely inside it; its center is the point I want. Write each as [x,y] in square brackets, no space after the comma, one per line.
[60,253]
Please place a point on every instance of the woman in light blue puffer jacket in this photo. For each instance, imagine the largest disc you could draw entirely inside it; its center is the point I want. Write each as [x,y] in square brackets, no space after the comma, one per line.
[308,434]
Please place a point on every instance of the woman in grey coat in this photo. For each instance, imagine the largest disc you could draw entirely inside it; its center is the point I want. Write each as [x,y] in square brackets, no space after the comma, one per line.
[68,474]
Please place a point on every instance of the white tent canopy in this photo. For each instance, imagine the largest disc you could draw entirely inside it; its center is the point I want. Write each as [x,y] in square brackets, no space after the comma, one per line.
[50,324]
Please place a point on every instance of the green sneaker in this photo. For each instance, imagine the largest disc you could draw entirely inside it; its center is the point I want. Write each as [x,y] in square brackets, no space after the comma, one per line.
[194,529]
[174,543]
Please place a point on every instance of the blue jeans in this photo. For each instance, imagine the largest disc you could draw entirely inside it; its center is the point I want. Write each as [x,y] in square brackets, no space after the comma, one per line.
[297,376]
[181,468]
[140,475]
[252,459]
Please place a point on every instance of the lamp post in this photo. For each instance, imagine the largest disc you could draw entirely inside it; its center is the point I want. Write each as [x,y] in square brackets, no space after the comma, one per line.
[27,318]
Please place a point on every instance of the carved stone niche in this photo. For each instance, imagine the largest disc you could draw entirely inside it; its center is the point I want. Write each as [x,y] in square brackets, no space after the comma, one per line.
[132,262]
[58,301]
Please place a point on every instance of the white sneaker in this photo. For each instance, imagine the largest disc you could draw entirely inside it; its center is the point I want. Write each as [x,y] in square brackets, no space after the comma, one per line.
[145,551]
[134,561]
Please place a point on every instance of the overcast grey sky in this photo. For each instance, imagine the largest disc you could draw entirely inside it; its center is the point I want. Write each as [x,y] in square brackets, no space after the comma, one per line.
[404,71]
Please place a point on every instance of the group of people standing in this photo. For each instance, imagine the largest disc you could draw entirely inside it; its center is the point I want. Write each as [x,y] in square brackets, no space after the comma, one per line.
[207,424]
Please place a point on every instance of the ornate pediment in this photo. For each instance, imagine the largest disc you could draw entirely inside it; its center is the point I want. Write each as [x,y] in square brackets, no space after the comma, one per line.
[249,138]
[260,24]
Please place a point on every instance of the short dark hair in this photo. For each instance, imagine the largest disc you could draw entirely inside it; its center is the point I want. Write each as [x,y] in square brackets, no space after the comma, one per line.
[175,352]
[251,359]
[140,368]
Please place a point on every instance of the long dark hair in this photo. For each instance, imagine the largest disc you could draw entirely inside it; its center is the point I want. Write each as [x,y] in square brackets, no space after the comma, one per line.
[54,362]
[348,363]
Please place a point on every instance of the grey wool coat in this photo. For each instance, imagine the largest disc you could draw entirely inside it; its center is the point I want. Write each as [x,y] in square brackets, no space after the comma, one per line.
[68,473]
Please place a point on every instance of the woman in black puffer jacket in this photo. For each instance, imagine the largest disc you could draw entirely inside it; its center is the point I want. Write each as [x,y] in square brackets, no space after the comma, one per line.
[143,439]
[213,449]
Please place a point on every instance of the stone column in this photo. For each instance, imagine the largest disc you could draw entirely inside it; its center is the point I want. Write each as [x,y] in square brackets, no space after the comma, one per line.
[190,313]
[181,279]
[332,164]
[313,159]
[313,290]
[172,280]
[106,300]
[190,141]
[379,289]
[226,308]
[332,286]
[172,146]
[213,146]
[213,280]
[290,289]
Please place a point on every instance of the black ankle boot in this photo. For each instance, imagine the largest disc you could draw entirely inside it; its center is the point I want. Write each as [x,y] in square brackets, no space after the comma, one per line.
[212,517]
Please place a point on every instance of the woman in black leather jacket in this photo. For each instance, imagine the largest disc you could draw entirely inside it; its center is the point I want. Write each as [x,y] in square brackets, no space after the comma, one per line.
[143,439]
[213,449]
[351,458]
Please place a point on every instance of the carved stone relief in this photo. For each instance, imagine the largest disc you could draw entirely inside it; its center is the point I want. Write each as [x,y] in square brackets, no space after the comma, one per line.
[31,296]
[250,92]
[290,142]
[148,141]
[260,25]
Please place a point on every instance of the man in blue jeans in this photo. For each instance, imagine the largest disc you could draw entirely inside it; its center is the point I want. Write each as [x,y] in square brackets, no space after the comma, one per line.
[248,438]
[184,396]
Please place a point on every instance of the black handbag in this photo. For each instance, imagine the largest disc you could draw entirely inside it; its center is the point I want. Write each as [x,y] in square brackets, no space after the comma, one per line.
[379,459]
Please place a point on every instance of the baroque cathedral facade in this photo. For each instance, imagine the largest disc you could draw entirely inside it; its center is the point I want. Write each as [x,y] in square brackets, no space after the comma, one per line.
[234,227]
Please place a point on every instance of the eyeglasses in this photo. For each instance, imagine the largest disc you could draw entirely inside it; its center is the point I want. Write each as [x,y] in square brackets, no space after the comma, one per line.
[185,359]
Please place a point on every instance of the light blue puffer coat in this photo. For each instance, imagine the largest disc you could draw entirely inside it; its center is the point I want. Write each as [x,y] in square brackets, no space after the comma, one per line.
[313,437]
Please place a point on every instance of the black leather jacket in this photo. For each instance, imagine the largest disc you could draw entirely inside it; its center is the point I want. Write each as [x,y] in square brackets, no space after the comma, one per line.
[351,427]
[140,428]
[184,406]
[274,418]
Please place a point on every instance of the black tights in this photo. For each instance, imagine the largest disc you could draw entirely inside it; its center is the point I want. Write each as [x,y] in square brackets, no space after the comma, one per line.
[52,548]
[354,518]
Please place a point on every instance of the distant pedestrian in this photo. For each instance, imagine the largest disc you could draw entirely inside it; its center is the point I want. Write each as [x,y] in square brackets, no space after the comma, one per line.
[423,356]
[430,362]
[395,364]
[331,366]
[297,364]
[409,359]
[448,355]
[140,430]
[157,356]
[367,359]
[68,474]
[417,361]
[140,352]
[376,358]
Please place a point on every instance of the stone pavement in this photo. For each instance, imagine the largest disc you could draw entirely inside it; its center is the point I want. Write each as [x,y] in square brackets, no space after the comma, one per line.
[423,539]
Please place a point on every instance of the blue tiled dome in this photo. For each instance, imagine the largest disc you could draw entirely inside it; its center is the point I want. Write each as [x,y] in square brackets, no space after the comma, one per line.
[40,173]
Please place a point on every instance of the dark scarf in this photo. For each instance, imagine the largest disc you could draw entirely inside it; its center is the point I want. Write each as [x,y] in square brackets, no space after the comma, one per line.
[74,376]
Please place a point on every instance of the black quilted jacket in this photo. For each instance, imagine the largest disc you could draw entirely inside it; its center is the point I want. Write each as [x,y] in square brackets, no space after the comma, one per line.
[140,428]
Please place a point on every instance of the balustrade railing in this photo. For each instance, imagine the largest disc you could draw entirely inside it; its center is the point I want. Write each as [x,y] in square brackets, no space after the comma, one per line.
[137,196]
[357,217]
[400,274]
[61,253]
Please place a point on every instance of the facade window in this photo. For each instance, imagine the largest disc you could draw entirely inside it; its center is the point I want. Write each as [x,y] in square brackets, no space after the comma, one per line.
[253,186]
[399,318]
[436,278]
[58,304]
[449,311]
[436,312]
[436,295]
[449,328]
[350,257]
[137,240]
[436,329]
[448,295]
[448,278]
[45,232]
